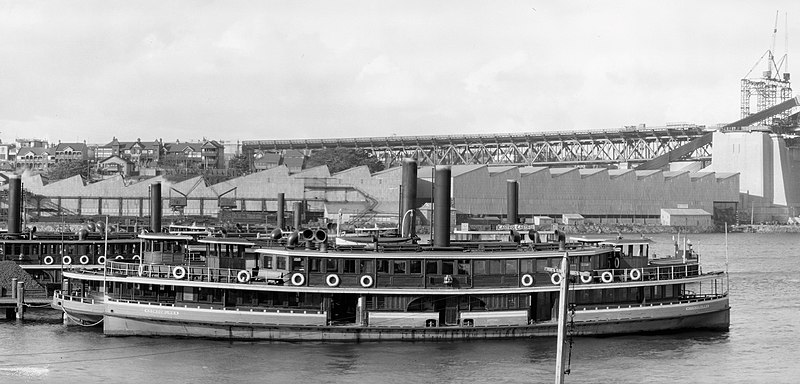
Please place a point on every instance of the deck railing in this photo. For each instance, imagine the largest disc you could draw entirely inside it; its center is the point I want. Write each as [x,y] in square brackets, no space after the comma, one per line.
[179,272]
[59,295]
[695,299]
[220,307]
[236,276]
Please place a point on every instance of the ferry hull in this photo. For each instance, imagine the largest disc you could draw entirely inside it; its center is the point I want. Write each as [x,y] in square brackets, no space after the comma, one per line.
[715,316]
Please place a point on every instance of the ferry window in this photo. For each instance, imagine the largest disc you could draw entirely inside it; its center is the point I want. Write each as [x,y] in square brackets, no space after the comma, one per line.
[511,267]
[495,267]
[365,266]
[431,267]
[298,264]
[526,266]
[541,264]
[463,267]
[349,266]
[399,266]
[447,267]
[415,266]
[331,265]
[383,266]
[268,262]
[480,267]
[314,264]
[280,262]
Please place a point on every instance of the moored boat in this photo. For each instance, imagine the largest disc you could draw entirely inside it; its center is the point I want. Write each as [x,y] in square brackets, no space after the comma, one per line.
[305,290]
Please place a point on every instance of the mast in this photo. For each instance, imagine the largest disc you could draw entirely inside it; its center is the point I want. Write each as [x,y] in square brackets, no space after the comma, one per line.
[562,318]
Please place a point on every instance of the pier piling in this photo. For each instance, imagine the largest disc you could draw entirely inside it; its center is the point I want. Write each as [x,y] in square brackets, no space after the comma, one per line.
[20,300]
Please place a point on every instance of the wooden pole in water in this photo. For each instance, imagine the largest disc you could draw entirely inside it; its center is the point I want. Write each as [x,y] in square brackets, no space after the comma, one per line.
[562,317]
[14,288]
[20,300]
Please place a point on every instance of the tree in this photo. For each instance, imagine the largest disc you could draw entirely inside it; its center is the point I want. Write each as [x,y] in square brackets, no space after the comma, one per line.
[339,159]
[239,163]
[69,168]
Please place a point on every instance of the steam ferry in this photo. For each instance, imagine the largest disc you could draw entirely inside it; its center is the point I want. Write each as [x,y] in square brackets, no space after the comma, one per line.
[305,287]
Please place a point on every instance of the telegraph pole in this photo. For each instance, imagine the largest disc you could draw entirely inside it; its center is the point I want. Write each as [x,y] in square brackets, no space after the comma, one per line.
[562,317]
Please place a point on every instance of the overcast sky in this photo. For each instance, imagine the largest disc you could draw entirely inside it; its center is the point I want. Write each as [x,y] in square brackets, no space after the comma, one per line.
[237,70]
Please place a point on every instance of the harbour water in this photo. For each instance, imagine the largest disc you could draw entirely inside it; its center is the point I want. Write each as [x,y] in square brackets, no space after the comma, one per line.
[763,344]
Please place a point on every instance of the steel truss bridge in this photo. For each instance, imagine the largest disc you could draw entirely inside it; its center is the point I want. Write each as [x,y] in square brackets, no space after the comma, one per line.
[577,148]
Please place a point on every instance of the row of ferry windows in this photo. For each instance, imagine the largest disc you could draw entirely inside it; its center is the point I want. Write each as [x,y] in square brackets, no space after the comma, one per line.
[69,249]
[430,267]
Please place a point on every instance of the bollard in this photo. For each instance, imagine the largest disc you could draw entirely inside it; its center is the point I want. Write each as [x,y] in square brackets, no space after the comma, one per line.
[14,288]
[20,300]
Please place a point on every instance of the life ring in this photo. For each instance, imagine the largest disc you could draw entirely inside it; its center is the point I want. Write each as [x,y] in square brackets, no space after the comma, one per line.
[243,276]
[141,270]
[636,274]
[48,260]
[298,279]
[119,257]
[527,280]
[616,262]
[137,257]
[366,281]
[179,272]
[101,260]
[332,280]
[66,260]
[84,260]
[555,278]
[607,277]
[586,278]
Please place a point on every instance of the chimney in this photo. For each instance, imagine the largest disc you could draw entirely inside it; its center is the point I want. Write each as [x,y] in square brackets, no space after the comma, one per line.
[14,204]
[296,215]
[155,207]
[441,208]
[279,211]
[512,200]
[409,196]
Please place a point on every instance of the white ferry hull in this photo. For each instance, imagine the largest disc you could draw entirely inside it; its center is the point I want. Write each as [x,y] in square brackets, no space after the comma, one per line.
[133,321]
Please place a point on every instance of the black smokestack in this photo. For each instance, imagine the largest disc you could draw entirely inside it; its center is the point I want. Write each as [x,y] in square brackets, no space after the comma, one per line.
[14,204]
[279,211]
[296,215]
[441,208]
[512,199]
[155,207]
[408,200]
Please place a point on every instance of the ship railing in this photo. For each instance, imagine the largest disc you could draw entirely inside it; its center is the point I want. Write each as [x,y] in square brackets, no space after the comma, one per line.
[177,272]
[695,299]
[60,295]
[219,307]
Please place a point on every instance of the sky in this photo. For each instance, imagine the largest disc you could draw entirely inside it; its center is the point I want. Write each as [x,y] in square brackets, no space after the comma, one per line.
[260,70]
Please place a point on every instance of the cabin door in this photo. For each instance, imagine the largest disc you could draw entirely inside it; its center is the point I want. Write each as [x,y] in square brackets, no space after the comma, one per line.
[343,308]
[451,311]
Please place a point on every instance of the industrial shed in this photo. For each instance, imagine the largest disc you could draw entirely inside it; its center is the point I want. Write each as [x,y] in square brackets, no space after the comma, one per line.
[686,217]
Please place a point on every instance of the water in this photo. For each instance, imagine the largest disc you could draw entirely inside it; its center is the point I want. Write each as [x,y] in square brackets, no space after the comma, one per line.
[763,344]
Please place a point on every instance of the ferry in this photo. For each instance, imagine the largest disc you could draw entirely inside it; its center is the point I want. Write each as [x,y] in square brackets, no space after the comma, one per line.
[302,288]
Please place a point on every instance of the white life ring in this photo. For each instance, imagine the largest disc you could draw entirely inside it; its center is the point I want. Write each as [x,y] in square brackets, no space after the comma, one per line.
[66,260]
[636,274]
[298,279]
[616,262]
[137,257]
[48,260]
[555,278]
[84,260]
[179,272]
[332,280]
[586,278]
[366,281]
[607,277]
[243,276]
[527,280]
[101,260]
[141,270]
[119,257]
